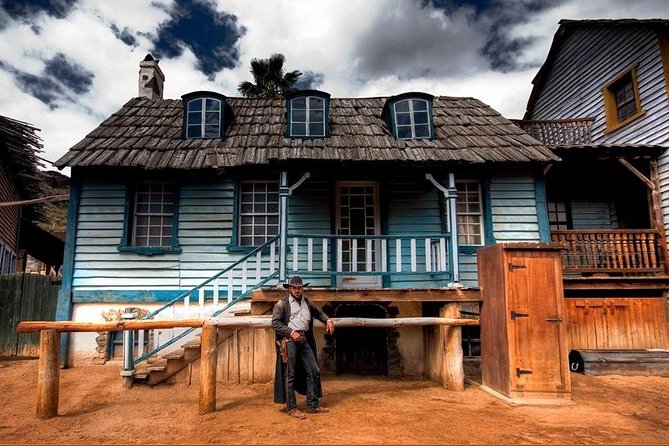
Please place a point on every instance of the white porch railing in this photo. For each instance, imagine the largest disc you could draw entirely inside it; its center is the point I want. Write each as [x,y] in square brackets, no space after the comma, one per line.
[398,254]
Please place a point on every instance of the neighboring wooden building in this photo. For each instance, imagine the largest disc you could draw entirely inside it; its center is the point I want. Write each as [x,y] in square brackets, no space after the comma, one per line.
[600,102]
[20,179]
[380,203]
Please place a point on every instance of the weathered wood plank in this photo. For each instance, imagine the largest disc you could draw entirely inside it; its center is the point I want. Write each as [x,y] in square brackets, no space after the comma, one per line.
[377,295]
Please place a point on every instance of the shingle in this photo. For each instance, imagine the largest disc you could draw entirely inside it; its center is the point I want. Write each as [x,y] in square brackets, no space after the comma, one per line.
[466,130]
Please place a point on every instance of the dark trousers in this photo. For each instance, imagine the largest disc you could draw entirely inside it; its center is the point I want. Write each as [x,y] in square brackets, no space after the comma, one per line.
[300,351]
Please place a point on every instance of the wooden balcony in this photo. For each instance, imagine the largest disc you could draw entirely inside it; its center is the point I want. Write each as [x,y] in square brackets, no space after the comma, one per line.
[559,131]
[633,251]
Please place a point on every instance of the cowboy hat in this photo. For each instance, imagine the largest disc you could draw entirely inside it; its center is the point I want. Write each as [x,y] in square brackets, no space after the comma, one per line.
[295,281]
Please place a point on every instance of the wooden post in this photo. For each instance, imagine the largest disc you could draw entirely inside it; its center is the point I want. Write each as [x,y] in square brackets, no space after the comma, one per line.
[453,370]
[48,374]
[208,357]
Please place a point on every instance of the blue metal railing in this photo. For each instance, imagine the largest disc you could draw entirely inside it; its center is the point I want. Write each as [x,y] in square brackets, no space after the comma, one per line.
[268,247]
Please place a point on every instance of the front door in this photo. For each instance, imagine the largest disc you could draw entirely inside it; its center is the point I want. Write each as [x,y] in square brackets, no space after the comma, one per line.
[358,215]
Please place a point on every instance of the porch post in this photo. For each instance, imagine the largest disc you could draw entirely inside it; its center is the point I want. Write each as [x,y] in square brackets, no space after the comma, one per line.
[450,195]
[284,192]
[453,223]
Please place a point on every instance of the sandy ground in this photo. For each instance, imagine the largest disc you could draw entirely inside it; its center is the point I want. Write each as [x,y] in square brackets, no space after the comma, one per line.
[95,408]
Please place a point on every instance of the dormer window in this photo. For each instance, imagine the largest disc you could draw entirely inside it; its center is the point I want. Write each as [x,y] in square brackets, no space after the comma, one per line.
[203,115]
[308,114]
[412,119]
[409,116]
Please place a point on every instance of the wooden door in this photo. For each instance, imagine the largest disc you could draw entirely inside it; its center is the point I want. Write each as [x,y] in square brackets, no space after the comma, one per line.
[358,215]
[538,355]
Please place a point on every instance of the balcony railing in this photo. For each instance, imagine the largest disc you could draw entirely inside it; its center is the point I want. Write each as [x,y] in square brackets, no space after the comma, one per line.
[610,251]
[359,255]
[559,131]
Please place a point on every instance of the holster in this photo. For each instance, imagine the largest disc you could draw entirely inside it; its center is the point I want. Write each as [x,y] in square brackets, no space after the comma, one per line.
[282,349]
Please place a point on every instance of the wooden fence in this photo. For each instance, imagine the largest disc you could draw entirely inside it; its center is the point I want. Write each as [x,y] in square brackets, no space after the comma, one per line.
[25,297]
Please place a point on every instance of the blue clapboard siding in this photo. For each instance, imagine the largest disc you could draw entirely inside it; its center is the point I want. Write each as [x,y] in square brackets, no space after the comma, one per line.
[591,57]
[205,229]
[588,214]
[513,208]
[310,213]
[413,208]
[97,262]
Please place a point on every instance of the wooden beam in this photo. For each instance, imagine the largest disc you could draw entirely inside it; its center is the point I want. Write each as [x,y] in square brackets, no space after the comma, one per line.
[208,357]
[266,322]
[230,322]
[376,295]
[454,373]
[657,217]
[68,326]
[649,184]
[48,375]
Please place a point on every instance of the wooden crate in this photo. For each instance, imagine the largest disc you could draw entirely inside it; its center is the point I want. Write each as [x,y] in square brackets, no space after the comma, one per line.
[524,351]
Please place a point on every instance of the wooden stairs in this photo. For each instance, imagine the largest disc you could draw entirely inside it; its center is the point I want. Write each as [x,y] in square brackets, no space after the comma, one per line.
[159,369]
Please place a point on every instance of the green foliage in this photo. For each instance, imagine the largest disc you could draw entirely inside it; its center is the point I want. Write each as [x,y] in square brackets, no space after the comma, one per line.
[269,79]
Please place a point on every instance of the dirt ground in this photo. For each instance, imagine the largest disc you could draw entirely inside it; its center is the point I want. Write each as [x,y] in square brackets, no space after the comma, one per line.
[95,408]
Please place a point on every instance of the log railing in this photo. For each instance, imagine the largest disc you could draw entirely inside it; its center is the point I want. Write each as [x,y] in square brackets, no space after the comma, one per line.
[48,375]
[610,251]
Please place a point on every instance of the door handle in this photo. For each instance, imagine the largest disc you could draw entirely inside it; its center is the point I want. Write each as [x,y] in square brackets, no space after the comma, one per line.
[554,319]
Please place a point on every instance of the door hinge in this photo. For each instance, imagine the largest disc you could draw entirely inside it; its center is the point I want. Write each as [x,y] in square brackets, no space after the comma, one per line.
[522,372]
[515,315]
[513,266]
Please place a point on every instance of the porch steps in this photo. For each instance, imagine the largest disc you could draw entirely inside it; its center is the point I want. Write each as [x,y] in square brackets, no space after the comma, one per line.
[158,369]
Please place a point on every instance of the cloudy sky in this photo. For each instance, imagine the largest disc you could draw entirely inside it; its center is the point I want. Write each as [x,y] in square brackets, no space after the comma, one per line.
[65,65]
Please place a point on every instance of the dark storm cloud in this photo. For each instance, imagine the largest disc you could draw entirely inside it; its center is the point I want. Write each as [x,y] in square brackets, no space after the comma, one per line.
[310,81]
[61,79]
[496,18]
[407,41]
[211,35]
[124,35]
[446,38]
[26,9]
[69,73]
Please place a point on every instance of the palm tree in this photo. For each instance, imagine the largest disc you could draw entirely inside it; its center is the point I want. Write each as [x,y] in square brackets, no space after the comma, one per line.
[269,80]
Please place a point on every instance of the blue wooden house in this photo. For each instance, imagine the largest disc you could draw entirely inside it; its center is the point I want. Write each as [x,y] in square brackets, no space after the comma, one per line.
[601,103]
[188,205]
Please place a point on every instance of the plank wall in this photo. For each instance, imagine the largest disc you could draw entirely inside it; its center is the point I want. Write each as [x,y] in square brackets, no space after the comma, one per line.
[586,62]
[9,215]
[205,230]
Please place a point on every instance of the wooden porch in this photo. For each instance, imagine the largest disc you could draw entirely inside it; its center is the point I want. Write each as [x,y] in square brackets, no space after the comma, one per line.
[612,252]
[263,299]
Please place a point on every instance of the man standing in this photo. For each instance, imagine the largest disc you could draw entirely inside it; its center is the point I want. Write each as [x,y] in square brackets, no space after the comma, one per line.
[296,366]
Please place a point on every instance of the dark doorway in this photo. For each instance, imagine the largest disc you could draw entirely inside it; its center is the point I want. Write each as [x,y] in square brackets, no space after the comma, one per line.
[362,351]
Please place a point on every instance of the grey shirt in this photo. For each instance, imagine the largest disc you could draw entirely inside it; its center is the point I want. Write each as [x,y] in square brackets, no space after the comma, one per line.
[299,315]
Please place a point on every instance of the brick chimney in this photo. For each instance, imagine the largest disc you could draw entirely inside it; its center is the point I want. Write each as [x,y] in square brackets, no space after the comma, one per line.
[151,78]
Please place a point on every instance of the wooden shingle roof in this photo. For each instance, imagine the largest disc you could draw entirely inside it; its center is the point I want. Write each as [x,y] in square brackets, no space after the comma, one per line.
[147,133]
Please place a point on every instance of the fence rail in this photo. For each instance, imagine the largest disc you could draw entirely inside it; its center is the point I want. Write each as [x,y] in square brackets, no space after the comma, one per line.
[610,251]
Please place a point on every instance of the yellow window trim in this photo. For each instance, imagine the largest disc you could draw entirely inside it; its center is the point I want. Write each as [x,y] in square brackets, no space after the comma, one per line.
[610,106]
[664,52]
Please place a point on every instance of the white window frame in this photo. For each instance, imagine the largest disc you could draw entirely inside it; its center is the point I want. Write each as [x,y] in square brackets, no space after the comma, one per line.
[165,240]
[203,115]
[307,118]
[412,124]
[7,260]
[479,214]
[266,234]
